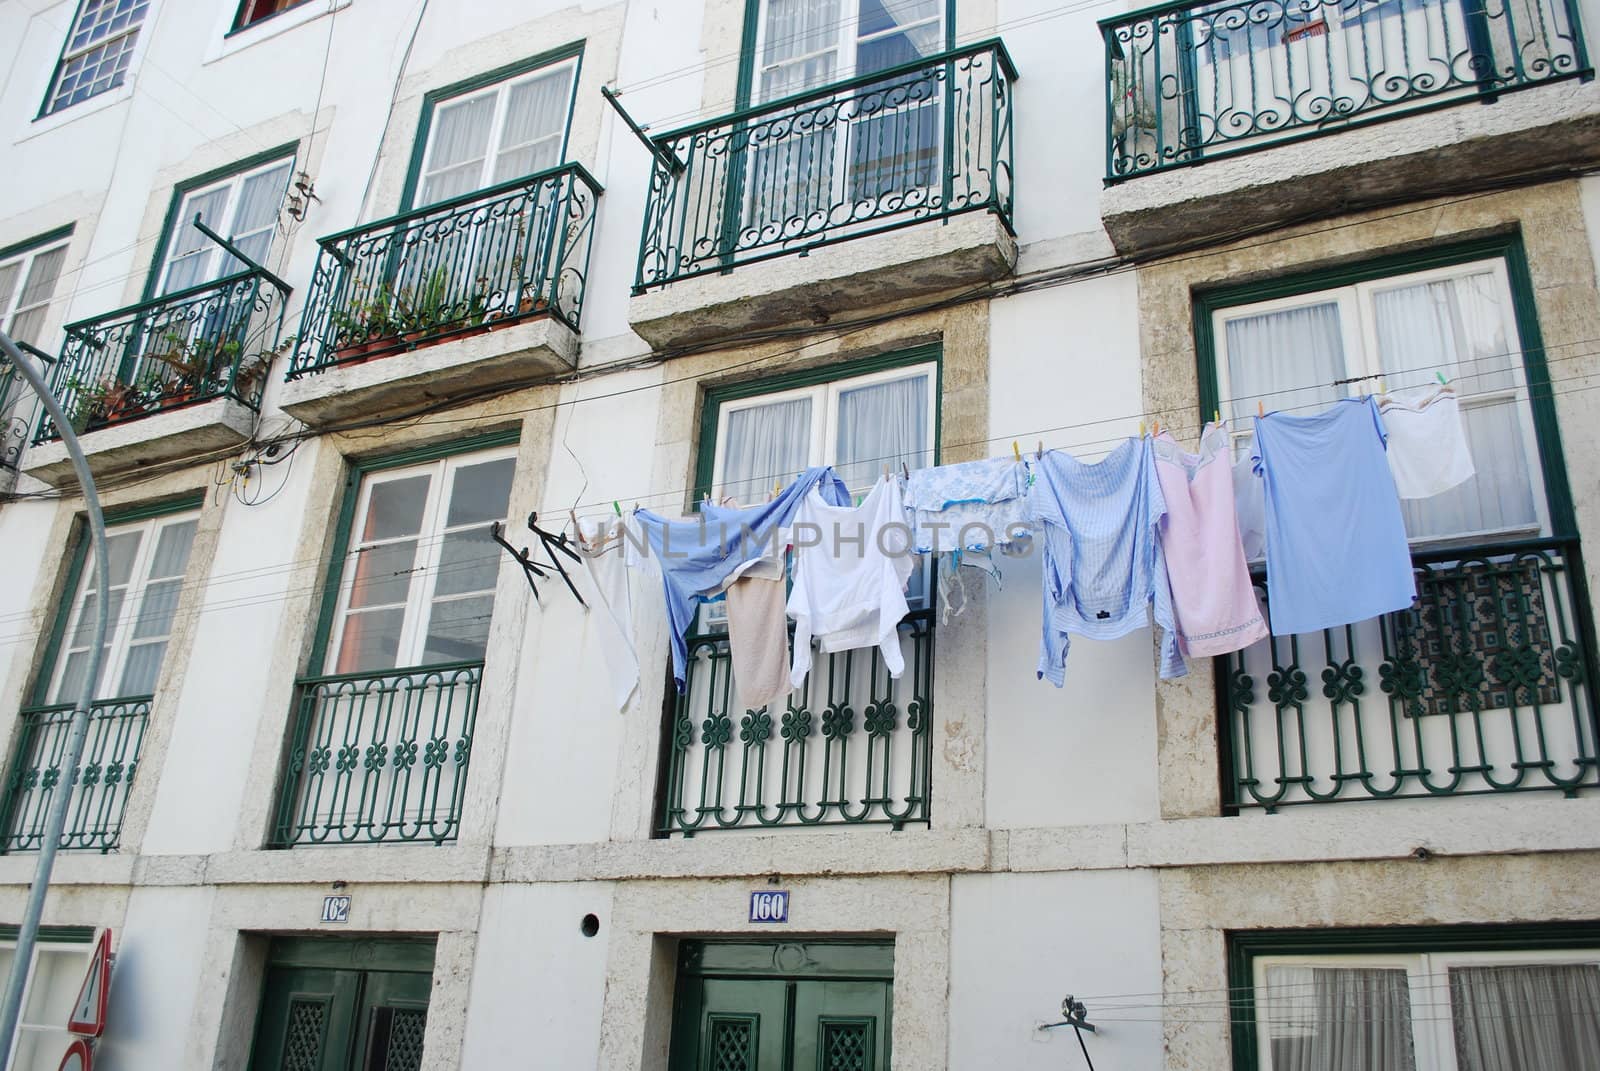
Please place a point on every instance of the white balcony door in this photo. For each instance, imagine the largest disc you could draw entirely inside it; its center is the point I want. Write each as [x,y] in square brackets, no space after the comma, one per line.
[243,208]
[147,561]
[807,173]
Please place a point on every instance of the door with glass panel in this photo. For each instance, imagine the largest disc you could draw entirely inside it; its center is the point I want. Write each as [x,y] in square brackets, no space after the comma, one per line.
[243,208]
[387,728]
[27,283]
[1494,1011]
[1300,354]
[476,140]
[819,165]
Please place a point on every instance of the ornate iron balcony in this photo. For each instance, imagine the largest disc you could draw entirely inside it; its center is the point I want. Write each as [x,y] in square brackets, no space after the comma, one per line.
[852,747]
[1483,686]
[1190,81]
[379,756]
[209,341]
[926,140]
[100,785]
[13,424]
[456,268]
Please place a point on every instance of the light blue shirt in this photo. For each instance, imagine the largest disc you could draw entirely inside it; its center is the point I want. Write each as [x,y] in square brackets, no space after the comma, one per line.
[1336,543]
[697,557]
[1103,563]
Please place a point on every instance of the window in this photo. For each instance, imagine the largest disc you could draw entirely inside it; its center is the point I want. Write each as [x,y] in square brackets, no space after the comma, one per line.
[892,138]
[1429,1011]
[148,559]
[242,207]
[27,283]
[417,586]
[859,425]
[98,51]
[491,134]
[59,966]
[1300,353]
[254,11]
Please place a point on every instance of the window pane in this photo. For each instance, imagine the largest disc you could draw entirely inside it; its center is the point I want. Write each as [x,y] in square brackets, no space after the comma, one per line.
[906,46]
[799,46]
[42,276]
[142,668]
[172,550]
[9,273]
[190,252]
[882,424]
[370,641]
[460,140]
[395,508]
[121,548]
[1463,328]
[458,630]
[536,117]
[1526,1018]
[1285,360]
[57,975]
[468,561]
[481,492]
[1336,1019]
[255,218]
[764,445]
[157,609]
[383,574]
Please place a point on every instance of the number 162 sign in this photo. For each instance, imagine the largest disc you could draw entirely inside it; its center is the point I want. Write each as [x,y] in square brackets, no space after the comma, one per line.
[769,906]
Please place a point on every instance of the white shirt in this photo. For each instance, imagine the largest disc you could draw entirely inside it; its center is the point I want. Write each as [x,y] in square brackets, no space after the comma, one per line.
[1427,445]
[850,573]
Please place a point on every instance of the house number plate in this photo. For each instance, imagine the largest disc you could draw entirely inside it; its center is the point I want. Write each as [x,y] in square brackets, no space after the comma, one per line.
[336,909]
[769,906]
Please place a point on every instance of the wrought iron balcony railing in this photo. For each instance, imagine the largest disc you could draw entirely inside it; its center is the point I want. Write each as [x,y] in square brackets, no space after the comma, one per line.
[1190,81]
[458,267]
[925,140]
[1484,686]
[100,785]
[379,756]
[851,747]
[209,341]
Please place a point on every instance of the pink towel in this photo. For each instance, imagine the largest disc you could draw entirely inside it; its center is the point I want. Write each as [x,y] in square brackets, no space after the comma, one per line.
[1212,597]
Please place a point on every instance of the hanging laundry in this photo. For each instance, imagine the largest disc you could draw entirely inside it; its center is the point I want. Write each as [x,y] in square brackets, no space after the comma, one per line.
[603,542]
[1212,597]
[697,556]
[851,566]
[758,626]
[1104,569]
[1428,451]
[972,505]
[1250,505]
[1336,544]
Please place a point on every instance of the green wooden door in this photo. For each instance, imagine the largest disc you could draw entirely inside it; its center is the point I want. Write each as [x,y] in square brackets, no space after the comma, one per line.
[343,1006]
[783,1006]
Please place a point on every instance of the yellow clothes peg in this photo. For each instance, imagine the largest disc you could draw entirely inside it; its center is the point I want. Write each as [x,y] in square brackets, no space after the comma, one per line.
[1015,452]
[1141,429]
[1261,408]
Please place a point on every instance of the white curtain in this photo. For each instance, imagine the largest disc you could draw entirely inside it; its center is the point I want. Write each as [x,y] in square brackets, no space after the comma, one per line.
[255,220]
[1282,360]
[190,255]
[460,141]
[1336,1019]
[37,290]
[882,424]
[536,120]
[795,29]
[1461,328]
[764,445]
[1526,1018]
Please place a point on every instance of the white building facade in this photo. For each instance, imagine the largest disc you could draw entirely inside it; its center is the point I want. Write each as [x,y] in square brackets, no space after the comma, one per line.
[446,284]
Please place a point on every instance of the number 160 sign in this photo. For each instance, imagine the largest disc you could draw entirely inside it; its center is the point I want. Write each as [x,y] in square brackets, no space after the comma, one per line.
[769,906]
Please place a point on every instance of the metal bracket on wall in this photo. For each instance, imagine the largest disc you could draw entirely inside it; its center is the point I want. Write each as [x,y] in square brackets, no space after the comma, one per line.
[553,543]
[1077,1017]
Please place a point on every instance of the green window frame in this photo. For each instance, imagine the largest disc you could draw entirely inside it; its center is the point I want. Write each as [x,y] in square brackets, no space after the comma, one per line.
[1507,248]
[434,97]
[350,497]
[170,225]
[1245,948]
[78,562]
[97,52]
[255,12]
[23,293]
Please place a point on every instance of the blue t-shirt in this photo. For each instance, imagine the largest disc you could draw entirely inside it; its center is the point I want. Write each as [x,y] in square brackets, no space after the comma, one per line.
[1336,543]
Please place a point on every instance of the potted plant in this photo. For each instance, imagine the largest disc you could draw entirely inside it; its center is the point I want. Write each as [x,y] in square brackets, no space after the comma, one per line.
[253,369]
[428,311]
[88,404]
[365,325]
[121,401]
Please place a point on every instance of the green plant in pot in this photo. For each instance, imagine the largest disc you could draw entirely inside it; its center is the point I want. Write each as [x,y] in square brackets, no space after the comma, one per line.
[1134,111]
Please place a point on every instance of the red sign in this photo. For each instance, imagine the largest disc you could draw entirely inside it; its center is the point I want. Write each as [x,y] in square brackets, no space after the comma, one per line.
[79,1057]
[89,1013]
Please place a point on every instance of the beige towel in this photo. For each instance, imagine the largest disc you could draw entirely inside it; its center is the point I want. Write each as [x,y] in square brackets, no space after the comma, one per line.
[758,635]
